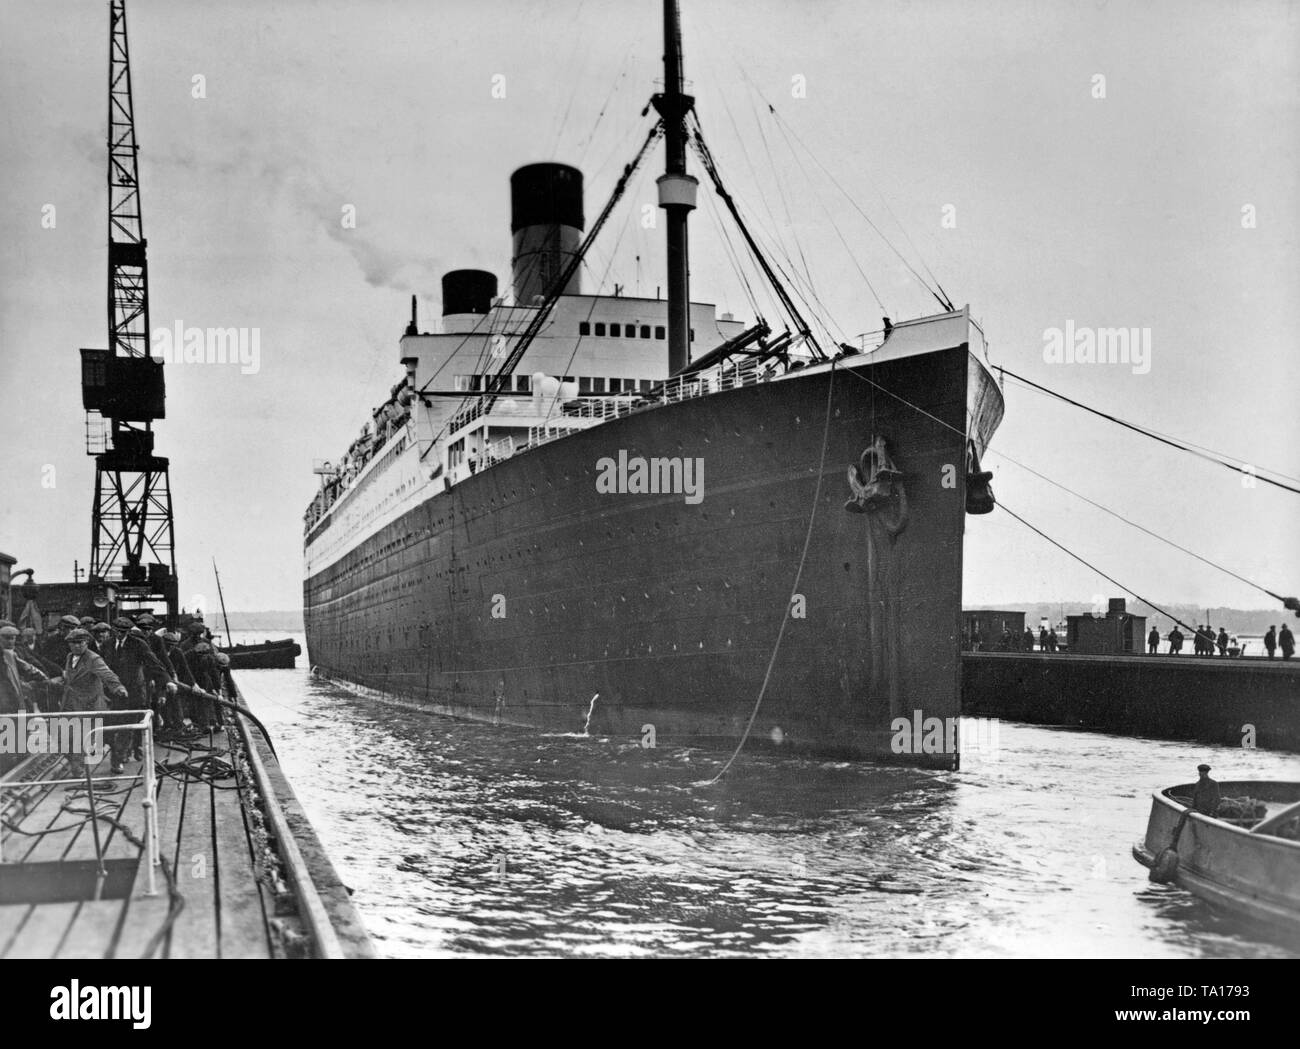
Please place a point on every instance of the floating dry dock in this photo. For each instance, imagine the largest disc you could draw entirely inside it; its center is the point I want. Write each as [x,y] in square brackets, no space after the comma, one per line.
[239,872]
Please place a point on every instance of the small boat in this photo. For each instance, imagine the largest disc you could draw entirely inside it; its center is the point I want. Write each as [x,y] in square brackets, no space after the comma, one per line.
[269,655]
[1247,863]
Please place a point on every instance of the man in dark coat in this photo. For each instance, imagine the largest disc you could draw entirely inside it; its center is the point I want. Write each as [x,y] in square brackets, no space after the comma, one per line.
[1205,798]
[1286,641]
[137,667]
[1270,641]
[1222,642]
[207,675]
[105,642]
[55,646]
[17,675]
[1153,641]
[1175,641]
[88,684]
[180,704]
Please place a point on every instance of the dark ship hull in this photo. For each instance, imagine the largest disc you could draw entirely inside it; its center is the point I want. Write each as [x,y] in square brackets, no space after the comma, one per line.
[522,592]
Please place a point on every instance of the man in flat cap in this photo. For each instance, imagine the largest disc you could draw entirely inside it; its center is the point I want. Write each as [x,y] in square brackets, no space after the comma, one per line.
[88,684]
[105,643]
[137,667]
[180,705]
[194,632]
[207,674]
[55,648]
[1205,798]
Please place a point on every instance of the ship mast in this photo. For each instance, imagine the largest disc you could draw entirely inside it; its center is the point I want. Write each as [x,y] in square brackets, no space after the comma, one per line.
[676,191]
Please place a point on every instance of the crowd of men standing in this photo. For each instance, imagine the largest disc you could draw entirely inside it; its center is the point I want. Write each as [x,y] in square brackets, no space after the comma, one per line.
[84,665]
[1205,642]
[1011,641]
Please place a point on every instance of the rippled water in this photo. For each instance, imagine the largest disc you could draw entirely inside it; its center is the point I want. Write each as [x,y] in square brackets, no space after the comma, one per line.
[463,839]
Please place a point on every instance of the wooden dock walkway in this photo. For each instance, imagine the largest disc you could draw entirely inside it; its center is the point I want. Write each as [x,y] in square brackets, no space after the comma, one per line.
[239,888]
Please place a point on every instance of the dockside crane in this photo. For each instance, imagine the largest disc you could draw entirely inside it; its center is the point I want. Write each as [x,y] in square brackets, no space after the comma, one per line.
[122,387]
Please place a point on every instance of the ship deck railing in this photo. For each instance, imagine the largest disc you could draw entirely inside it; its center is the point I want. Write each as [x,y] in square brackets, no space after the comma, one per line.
[592,411]
[681,388]
[498,450]
[144,724]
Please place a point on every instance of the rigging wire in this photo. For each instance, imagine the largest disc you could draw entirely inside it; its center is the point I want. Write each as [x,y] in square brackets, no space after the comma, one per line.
[941,297]
[585,144]
[1213,458]
[590,312]
[495,385]
[1133,524]
[1288,602]
[835,226]
[733,256]
[780,188]
[553,293]
[776,225]
[1110,579]
[706,158]
[776,246]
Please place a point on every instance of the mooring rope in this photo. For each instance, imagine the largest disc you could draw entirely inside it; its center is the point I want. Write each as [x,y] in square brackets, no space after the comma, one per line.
[794,590]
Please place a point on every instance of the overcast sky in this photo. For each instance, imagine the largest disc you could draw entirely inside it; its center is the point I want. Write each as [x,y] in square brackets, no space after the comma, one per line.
[1122,210]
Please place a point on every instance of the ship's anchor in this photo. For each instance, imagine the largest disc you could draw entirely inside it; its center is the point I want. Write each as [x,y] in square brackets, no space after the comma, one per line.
[877,486]
[979,495]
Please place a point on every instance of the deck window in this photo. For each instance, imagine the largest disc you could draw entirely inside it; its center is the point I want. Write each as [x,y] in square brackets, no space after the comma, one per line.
[598,385]
[584,384]
[645,331]
[523,383]
[600,328]
[584,327]
[615,385]
[614,331]
[659,331]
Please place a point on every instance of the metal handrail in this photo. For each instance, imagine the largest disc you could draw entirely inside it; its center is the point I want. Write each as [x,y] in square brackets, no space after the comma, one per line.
[146,772]
[312,907]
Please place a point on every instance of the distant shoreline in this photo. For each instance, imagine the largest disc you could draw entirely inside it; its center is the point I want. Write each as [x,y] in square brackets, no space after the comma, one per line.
[284,622]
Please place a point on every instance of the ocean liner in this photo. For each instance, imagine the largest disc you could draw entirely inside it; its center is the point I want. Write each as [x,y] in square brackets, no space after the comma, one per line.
[639,517]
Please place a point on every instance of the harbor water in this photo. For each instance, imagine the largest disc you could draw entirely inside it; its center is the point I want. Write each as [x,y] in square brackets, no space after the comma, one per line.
[464,839]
